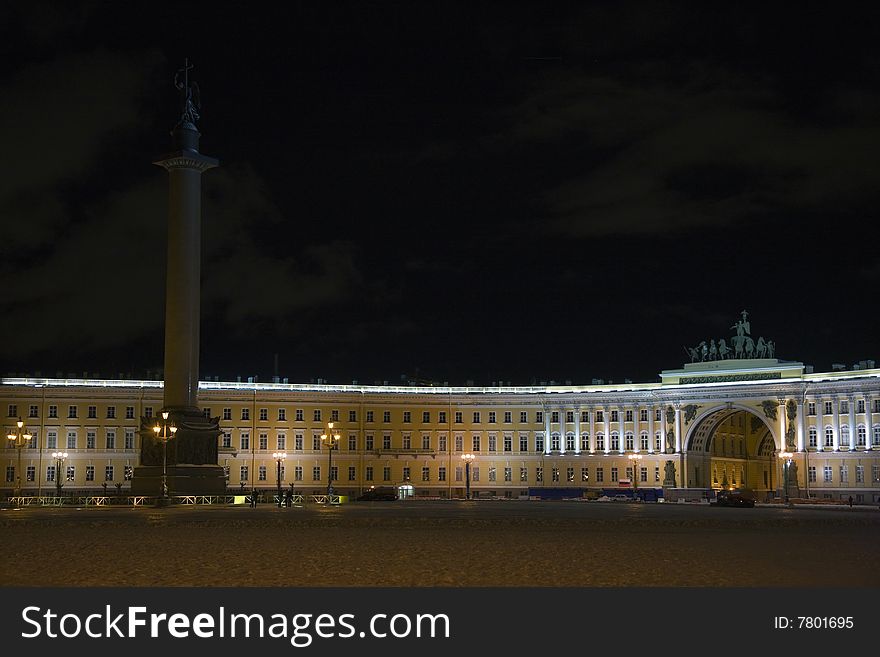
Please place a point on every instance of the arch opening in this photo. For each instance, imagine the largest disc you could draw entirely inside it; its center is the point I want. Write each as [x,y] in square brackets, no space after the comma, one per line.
[732,448]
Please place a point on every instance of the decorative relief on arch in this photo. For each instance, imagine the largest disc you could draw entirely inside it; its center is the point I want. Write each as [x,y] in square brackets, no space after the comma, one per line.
[769,407]
[690,412]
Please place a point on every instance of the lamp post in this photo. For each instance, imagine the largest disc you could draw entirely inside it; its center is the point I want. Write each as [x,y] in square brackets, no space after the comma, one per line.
[468,459]
[59,464]
[162,431]
[279,459]
[19,439]
[786,466]
[332,439]
[635,459]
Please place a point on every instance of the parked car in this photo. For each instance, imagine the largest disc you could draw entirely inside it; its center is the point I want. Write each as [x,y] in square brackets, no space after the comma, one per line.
[734,498]
[380,494]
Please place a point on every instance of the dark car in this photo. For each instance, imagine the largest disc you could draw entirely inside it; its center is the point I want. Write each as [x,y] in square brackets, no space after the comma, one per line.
[734,498]
[381,494]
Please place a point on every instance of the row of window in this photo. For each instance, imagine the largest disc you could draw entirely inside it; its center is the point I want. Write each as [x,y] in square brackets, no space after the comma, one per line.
[73,411]
[407,416]
[507,441]
[492,474]
[299,414]
[861,437]
[843,407]
[843,474]
[492,442]
[72,441]
[70,473]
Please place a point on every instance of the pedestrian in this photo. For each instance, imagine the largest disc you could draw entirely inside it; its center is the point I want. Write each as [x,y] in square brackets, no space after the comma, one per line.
[288,498]
[850,501]
[253,499]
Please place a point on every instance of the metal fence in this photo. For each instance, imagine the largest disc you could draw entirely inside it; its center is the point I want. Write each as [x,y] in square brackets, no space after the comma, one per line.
[148,500]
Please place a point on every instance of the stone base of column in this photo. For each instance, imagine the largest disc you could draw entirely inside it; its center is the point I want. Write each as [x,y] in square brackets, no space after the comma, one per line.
[190,456]
[182,480]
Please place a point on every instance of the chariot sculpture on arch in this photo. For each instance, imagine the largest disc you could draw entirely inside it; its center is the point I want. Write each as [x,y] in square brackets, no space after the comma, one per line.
[741,345]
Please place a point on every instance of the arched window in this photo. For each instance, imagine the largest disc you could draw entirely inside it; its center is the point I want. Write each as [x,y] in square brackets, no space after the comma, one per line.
[615,441]
[600,441]
[829,437]
[813,437]
[629,442]
[643,440]
[844,435]
[861,435]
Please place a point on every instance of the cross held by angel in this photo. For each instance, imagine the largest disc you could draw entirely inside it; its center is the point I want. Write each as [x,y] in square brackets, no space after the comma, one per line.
[189,95]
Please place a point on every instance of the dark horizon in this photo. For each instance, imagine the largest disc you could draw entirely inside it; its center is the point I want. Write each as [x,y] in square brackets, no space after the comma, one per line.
[531,193]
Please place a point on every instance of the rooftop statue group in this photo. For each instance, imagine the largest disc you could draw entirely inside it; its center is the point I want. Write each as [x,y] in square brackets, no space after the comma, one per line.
[742,345]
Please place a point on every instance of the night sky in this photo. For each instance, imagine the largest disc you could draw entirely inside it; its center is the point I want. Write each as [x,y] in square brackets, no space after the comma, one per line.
[450,192]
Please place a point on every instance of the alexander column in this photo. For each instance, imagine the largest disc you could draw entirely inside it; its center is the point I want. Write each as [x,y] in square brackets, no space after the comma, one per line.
[188,459]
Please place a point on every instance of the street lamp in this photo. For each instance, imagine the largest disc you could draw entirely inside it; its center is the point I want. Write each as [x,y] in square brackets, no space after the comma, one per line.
[19,439]
[59,463]
[786,467]
[636,459]
[162,432]
[279,459]
[332,439]
[468,459]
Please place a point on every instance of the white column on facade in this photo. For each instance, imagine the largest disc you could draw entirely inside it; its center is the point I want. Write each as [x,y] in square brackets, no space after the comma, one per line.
[621,427]
[562,429]
[546,430]
[606,416]
[636,435]
[650,429]
[820,424]
[869,422]
[663,429]
[592,412]
[801,443]
[835,420]
[577,430]
[852,423]
[781,413]
[678,442]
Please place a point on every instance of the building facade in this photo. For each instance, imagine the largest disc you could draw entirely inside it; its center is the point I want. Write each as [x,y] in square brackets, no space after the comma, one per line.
[761,424]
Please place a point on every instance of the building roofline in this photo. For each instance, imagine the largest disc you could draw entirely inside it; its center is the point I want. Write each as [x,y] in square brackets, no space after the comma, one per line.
[437,390]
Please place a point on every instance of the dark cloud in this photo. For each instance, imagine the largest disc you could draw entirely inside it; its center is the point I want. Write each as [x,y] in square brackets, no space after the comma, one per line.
[704,154]
[419,186]
[57,121]
[85,262]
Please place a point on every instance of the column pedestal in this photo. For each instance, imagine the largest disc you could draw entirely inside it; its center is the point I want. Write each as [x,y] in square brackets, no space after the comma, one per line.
[191,457]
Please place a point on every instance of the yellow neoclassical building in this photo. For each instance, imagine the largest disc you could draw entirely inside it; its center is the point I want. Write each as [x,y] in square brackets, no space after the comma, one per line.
[761,424]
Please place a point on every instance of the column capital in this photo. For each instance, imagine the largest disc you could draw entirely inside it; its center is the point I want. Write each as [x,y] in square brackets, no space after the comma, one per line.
[187,159]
